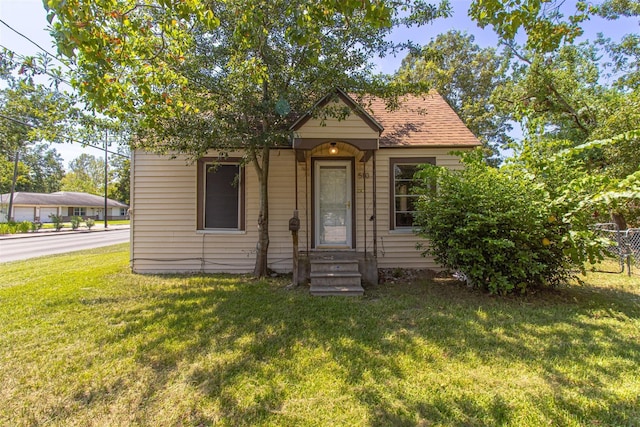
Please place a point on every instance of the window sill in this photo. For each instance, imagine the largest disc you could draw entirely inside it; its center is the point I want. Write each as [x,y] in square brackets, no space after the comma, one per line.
[407,230]
[222,232]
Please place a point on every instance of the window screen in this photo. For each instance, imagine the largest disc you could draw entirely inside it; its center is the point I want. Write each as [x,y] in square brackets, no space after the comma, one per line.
[222,196]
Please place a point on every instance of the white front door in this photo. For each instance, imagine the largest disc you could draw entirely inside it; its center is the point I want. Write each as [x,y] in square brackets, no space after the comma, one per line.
[333,204]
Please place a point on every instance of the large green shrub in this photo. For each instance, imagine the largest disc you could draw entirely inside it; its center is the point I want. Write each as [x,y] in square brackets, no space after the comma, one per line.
[499,230]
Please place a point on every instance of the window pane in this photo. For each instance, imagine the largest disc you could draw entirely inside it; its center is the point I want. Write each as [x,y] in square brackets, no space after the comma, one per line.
[406,203]
[403,188]
[221,197]
[404,172]
[404,219]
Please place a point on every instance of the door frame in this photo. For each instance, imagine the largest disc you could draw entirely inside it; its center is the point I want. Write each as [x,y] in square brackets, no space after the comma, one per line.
[350,161]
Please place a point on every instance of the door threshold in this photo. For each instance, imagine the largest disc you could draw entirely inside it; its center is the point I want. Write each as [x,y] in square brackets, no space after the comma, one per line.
[332,249]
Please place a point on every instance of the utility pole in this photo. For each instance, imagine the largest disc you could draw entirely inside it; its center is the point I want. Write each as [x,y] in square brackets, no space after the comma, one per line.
[106,177]
[13,183]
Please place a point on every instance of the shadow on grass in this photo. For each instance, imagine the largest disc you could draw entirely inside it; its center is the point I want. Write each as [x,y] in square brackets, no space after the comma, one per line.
[402,355]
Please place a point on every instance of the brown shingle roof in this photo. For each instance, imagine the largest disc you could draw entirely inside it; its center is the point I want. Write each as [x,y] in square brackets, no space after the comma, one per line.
[420,120]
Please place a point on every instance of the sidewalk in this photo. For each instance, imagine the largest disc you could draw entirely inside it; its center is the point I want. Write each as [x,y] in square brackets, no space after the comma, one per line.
[51,231]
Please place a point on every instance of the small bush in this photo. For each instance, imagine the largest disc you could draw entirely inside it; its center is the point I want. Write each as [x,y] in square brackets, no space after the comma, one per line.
[75,222]
[24,227]
[90,222]
[35,226]
[496,230]
[8,228]
[57,221]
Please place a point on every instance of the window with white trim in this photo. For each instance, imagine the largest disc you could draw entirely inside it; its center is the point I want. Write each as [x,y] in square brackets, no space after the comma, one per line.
[79,211]
[403,196]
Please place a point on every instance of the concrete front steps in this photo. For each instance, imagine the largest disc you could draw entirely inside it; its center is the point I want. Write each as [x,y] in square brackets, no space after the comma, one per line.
[331,276]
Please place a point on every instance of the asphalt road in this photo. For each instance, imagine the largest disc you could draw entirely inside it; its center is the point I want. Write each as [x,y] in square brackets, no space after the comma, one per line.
[52,243]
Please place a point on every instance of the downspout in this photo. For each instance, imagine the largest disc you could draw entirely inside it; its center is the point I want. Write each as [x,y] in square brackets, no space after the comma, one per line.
[306,201]
[295,164]
[364,208]
[375,209]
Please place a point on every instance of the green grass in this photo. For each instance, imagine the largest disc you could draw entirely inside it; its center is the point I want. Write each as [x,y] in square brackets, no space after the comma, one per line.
[100,222]
[116,222]
[85,342]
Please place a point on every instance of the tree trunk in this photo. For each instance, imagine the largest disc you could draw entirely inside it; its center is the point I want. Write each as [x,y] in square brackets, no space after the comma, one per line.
[262,248]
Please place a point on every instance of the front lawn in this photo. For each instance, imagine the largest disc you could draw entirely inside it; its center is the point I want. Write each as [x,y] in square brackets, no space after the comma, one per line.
[85,342]
[99,223]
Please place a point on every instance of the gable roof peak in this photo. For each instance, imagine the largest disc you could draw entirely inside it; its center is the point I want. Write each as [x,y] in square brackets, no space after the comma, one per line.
[347,100]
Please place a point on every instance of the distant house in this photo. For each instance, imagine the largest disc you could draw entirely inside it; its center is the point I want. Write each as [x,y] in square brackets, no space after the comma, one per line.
[350,180]
[38,206]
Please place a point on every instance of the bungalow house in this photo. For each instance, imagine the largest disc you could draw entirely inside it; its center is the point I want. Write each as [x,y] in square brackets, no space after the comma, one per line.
[349,180]
[38,206]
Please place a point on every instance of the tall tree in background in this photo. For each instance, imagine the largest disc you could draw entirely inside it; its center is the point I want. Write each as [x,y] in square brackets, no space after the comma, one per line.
[466,77]
[578,114]
[6,175]
[119,176]
[40,170]
[45,168]
[203,75]
[86,175]
[557,94]
[29,113]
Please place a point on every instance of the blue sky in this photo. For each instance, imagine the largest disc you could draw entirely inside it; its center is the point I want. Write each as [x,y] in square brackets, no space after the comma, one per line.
[29,18]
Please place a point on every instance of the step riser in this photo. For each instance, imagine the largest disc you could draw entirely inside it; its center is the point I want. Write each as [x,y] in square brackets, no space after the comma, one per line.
[334,268]
[337,294]
[336,291]
[335,281]
[340,269]
[335,274]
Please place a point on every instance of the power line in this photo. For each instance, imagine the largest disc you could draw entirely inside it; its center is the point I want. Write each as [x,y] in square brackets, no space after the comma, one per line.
[35,44]
[20,122]
[16,121]
[43,70]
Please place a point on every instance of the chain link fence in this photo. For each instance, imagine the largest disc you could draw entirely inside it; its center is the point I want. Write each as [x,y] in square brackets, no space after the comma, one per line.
[624,245]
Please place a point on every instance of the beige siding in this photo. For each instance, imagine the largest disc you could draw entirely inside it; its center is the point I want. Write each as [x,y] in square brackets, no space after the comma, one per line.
[331,128]
[164,201]
[397,248]
[164,235]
